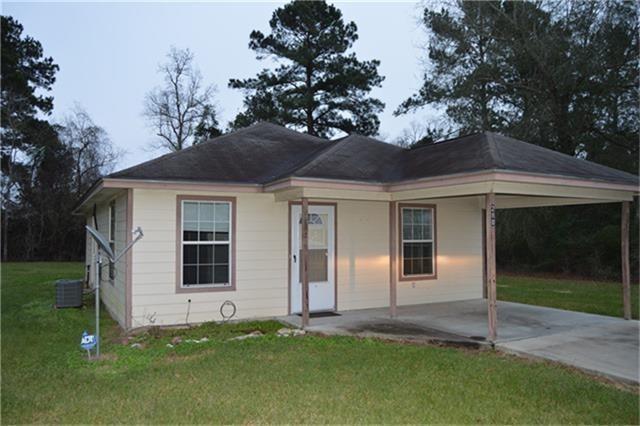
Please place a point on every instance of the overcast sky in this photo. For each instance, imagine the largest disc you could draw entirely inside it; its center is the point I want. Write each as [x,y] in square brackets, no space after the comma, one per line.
[109,53]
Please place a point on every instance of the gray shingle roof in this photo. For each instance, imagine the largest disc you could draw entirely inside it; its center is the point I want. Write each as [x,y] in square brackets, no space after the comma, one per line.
[266,152]
[257,154]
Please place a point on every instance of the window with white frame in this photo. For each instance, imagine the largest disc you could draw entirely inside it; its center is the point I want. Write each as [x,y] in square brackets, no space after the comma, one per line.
[418,245]
[206,243]
[112,238]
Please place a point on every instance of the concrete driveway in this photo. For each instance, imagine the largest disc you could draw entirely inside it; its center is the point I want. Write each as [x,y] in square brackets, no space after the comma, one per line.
[598,344]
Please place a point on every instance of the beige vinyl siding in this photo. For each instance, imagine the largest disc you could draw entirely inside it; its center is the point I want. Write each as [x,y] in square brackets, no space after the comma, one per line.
[262,232]
[363,255]
[261,261]
[112,292]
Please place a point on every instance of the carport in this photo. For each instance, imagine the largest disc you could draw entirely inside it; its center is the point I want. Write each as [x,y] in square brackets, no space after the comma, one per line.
[497,171]
[517,190]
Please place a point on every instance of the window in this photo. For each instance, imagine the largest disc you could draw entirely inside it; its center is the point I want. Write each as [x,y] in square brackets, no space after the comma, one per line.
[318,248]
[206,240]
[112,238]
[418,242]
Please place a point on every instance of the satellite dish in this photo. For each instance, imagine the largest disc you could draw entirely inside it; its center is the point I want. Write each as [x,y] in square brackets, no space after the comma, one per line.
[102,242]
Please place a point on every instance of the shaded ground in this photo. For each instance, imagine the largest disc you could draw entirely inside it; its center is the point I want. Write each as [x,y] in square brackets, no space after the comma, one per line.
[46,378]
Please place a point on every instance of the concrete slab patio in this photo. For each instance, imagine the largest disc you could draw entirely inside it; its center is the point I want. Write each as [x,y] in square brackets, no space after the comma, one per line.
[598,344]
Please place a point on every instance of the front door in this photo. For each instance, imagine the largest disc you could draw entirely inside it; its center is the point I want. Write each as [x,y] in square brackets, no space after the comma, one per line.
[322,296]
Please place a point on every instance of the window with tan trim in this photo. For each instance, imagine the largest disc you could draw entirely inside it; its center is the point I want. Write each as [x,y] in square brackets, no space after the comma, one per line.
[417,236]
[206,227]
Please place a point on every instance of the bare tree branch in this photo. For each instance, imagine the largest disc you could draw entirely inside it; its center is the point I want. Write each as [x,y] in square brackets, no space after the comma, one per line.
[176,109]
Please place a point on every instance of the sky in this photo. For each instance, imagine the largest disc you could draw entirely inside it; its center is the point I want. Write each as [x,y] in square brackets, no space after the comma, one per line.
[109,54]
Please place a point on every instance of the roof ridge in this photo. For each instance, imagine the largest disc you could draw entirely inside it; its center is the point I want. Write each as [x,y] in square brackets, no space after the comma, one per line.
[320,154]
[456,139]
[372,139]
[494,151]
[279,126]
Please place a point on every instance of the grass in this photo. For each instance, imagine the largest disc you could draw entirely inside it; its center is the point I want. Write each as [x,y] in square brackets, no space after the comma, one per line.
[603,298]
[47,378]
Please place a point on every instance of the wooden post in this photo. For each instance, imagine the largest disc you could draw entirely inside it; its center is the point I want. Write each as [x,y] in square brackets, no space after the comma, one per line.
[484,254]
[393,257]
[626,279]
[490,229]
[304,259]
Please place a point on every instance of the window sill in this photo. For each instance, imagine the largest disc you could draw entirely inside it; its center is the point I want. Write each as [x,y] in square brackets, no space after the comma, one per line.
[418,278]
[204,289]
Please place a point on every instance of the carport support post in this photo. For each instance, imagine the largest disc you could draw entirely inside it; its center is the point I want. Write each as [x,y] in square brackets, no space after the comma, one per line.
[304,259]
[626,279]
[490,230]
[393,257]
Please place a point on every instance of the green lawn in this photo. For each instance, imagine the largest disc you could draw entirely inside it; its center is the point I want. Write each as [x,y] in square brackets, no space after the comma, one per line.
[47,379]
[604,298]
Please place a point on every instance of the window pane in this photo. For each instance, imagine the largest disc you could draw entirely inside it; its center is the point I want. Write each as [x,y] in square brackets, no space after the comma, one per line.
[190,212]
[189,275]
[205,274]
[407,267]
[222,212]
[318,271]
[190,231]
[407,218]
[206,231]
[427,265]
[418,216]
[417,266]
[206,212]
[221,275]
[222,231]
[190,254]
[426,232]
[418,232]
[406,232]
[428,224]
[221,254]
[407,250]
[205,254]
[418,258]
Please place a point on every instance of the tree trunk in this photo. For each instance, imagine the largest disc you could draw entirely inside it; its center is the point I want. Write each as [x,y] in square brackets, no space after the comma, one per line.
[309,100]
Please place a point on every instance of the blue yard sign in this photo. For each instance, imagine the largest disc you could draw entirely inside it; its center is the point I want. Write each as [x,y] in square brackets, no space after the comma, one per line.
[88,341]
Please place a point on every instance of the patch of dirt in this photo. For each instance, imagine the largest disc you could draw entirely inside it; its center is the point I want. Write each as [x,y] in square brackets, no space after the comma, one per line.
[414,333]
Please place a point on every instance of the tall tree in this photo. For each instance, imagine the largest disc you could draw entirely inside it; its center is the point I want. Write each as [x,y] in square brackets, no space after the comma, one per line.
[561,74]
[464,59]
[90,148]
[25,74]
[491,66]
[318,86]
[181,112]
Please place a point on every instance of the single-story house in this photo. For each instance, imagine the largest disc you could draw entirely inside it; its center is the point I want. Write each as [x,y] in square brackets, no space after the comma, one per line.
[386,226]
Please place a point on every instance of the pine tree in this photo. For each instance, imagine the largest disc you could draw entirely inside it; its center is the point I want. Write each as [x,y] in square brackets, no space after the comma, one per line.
[319,86]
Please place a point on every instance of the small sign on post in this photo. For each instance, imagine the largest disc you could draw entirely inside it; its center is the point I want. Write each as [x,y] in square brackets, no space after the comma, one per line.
[88,342]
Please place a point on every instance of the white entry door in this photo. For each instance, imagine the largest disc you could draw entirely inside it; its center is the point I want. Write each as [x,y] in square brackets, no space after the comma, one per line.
[321,266]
